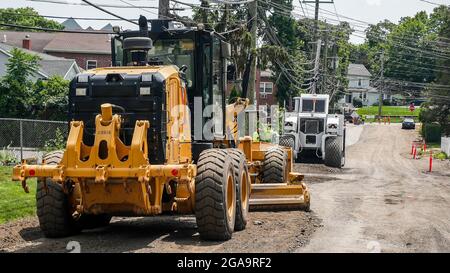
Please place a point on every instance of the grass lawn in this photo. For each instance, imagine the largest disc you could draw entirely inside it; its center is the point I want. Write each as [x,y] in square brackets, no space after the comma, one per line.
[389,111]
[14,202]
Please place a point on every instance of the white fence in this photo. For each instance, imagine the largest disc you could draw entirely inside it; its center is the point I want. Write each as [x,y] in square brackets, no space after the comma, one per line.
[445,145]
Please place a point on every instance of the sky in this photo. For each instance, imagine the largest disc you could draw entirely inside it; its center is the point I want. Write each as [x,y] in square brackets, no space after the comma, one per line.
[367,11]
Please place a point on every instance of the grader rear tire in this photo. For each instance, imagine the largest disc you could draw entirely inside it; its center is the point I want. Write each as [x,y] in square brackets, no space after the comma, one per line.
[274,169]
[53,210]
[242,180]
[215,195]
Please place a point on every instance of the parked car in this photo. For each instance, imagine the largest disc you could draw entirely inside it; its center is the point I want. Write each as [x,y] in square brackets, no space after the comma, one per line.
[408,123]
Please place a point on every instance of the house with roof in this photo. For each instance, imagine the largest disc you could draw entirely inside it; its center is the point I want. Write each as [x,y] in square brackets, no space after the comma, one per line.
[71,24]
[48,65]
[359,87]
[88,50]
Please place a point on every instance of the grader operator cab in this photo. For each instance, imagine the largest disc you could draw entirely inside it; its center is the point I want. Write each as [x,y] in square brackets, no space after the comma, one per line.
[134,149]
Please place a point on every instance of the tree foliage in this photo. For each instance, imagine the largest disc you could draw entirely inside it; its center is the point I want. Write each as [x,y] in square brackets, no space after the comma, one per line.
[16,86]
[416,60]
[26,17]
[22,96]
[50,98]
[281,54]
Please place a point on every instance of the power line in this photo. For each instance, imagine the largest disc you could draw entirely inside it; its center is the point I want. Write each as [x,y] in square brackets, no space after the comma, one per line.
[433,3]
[108,12]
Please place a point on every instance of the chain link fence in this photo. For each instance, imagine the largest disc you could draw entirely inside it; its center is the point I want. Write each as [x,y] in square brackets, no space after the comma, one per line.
[29,139]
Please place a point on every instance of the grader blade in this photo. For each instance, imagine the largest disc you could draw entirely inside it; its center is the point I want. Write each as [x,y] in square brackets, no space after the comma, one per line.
[291,195]
[279,196]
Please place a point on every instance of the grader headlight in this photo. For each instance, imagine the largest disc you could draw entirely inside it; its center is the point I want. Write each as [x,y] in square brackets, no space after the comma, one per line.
[144,91]
[83,78]
[80,92]
[146,77]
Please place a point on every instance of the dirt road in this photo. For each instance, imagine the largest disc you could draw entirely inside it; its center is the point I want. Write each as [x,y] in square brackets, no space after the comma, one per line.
[381,201]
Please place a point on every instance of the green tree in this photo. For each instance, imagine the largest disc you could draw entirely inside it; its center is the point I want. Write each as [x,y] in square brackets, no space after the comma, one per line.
[438,108]
[282,52]
[50,98]
[16,87]
[26,17]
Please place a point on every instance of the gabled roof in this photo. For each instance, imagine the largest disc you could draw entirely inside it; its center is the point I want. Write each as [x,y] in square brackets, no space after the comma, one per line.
[80,43]
[108,27]
[71,24]
[38,39]
[358,70]
[49,65]
[60,42]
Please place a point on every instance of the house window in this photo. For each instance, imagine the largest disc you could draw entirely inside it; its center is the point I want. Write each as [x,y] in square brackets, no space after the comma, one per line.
[266,87]
[365,96]
[359,82]
[348,98]
[91,64]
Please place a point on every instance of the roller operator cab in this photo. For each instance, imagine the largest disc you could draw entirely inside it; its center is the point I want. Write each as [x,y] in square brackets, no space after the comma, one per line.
[311,131]
[152,135]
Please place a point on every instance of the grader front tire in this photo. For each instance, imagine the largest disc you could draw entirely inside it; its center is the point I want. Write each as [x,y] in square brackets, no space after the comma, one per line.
[215,195]
[274,166]
[53,210]
[242,180]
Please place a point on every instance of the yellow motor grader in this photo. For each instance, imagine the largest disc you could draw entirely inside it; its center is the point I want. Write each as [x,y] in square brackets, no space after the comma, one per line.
[152,135]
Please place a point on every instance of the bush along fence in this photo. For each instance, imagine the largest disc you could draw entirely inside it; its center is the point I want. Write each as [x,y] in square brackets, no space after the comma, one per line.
[431,132]
[27,139]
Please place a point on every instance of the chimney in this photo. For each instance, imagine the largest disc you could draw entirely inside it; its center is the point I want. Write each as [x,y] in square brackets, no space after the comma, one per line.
[26,43]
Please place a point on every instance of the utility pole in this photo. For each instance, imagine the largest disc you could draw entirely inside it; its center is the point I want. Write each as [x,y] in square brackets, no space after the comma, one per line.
[253,13]
[325,67]
[316,13]
[163,9]
[380,92]
[316,67]
[319,42]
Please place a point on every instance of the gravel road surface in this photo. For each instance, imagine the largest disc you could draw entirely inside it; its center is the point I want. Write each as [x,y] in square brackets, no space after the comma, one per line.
[382,201]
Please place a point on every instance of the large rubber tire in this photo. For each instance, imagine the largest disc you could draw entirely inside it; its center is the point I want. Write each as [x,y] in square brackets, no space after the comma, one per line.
[287,141]
[274,169]
[53,210]
[215,195]
[333,152]
[243,188]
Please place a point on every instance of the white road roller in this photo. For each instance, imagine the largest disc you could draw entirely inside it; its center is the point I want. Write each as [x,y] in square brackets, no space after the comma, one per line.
[310,130]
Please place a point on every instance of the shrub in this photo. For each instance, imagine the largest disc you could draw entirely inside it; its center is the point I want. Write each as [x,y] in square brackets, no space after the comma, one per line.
[431,132]
[357,102]
[57,143]
[440,156]
[7,158]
